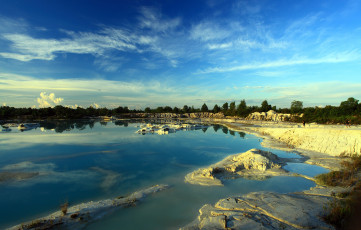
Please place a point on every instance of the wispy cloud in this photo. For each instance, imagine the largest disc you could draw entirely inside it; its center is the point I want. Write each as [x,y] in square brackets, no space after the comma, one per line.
[77,91]
[153,19]
[331,58]
[208,31]
[327,92]
[101,44]
[9,24]
[29,48]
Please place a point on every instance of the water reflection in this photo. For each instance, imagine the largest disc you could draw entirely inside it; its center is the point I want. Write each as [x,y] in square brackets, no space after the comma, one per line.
[242,134]
[88,160]
[225,130]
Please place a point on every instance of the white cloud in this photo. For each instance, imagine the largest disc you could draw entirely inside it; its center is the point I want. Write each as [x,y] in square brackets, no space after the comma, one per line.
[74,106]
[29,48]
[220,46]
[330,58]
[48,100]
[311,94]
[208,31]
[95,105]
[156,39]
[105,92]
[270,73]
[9,24]
[152,18]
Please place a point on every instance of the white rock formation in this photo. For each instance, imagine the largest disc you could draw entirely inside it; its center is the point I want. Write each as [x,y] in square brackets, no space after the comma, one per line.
[324,139]
[253,163]
[78,216]
[268,116]
[263,210]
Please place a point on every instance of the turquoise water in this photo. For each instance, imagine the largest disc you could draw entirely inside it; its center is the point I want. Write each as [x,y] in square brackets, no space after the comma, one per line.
[82,161]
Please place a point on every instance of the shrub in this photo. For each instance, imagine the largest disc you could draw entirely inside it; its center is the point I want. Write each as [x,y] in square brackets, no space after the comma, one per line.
[344,212]
[64,208]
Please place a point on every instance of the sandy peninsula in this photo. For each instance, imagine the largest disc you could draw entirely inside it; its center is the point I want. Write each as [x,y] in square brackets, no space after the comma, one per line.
[79,216]
[317,144]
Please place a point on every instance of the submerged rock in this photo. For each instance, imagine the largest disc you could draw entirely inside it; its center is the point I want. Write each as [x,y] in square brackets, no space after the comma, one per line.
[264,210]
[16,176]
[254,163]
[78,216]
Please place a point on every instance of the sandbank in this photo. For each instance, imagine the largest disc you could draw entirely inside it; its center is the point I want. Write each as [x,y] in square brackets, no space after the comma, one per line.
[317,144]
[79,216]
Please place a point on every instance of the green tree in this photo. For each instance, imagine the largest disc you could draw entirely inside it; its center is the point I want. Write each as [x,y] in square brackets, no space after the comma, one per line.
[204,108]
[168,109]
[349,107]
[216,108]
[265,106]
[242,109]
[185,109]
[147,110]
[225,106]
[176,110]
[232,108]
[159,109]
[296,107]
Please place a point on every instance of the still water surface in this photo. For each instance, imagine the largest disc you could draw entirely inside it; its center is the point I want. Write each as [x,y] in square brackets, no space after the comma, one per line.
[82,161]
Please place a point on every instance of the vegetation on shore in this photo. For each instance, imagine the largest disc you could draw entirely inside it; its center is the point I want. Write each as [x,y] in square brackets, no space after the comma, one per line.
[349,110]
[344,210]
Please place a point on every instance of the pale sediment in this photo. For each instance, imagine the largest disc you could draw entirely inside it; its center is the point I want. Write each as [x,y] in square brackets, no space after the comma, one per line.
[264,210]
[317,144]
[254,164]
[78,216]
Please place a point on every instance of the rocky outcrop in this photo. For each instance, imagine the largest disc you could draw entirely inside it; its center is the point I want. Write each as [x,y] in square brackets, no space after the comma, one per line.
[254,163]
[16,176]
[78,216]
[204,115]
[264,210]
[199,115]
[268,116]
[329,140]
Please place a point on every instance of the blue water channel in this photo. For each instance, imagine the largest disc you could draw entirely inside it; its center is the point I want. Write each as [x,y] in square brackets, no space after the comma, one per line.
[83,161]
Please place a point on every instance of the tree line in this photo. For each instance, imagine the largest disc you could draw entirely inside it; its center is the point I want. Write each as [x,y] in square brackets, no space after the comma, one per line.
[349,110]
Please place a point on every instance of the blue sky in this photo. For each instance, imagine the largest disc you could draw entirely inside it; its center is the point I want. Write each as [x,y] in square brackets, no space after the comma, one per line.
[154,53]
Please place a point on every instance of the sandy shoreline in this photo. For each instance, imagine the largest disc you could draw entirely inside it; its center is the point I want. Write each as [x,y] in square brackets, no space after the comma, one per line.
[79,216]
[317,144]
[320,144]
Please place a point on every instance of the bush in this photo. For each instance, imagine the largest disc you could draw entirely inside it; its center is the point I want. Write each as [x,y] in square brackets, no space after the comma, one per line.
[344,212]
[64,208]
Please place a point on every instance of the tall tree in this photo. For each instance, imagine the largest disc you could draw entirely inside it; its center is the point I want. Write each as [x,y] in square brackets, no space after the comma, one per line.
[296,107]
[147,110]
[225,106]
[176,110]
[242,109]
[232,108]
[168,109]
[204,108]
[185,109]
[349,107]
[216,108]
[265,106]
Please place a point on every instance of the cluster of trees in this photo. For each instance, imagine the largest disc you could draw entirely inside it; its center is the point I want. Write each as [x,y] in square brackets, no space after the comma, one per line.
[231,109]
[60,112]
[347,110]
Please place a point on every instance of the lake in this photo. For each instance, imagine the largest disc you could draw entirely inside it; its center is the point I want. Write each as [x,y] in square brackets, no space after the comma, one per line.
[80,161]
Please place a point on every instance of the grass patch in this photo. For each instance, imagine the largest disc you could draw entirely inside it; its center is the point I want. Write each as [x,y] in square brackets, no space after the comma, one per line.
[64,208]
[347,176]
[344,211]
